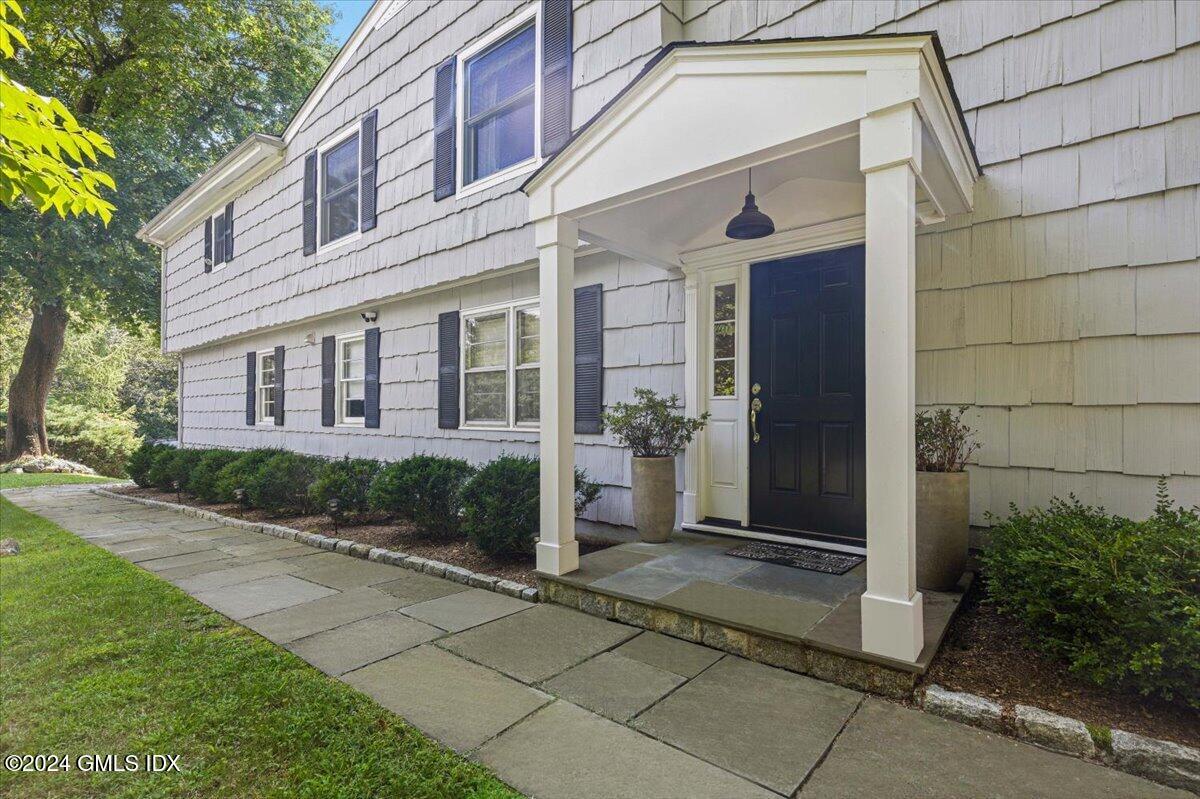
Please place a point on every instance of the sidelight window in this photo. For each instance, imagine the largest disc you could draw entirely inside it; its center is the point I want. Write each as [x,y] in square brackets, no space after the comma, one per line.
[724,340]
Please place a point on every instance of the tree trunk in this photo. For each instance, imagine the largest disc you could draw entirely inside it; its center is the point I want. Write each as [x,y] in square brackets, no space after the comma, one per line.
[26,431]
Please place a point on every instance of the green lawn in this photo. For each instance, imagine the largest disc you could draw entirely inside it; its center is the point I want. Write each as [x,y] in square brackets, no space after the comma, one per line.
[8,480]
[101,657]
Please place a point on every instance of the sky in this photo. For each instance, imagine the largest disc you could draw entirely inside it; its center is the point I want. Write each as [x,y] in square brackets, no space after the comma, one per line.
[350,12]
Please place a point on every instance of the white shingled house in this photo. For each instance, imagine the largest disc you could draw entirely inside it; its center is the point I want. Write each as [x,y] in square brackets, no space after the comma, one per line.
[990,204]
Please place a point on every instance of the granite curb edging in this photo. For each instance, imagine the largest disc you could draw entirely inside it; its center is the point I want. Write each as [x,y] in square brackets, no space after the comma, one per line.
[345,546]
[1165,762]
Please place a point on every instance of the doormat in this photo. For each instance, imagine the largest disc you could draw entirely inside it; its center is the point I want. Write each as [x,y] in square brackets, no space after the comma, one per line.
[817,560]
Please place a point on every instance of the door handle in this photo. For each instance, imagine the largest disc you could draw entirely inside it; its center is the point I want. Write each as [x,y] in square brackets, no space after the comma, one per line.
[755,407]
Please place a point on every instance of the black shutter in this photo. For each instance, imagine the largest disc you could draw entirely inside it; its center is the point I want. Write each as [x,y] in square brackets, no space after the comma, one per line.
[251,384]
[208,244]
[443,130]
[556,75]
[328,381]
[279,385]
[371,378]
[448,370]
[366,183]
[589,358]
[310,203]
[228,232]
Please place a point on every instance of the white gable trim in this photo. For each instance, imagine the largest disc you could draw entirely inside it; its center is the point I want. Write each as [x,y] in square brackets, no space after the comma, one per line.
[380,12]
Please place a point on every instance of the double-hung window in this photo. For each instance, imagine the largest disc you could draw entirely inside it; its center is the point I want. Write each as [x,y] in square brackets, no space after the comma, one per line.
[351,351]
[500,101]
[219,234]
[339,183]
[266,387]
[501,355]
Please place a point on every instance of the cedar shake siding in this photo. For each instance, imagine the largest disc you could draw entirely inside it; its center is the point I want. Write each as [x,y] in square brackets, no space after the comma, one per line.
[1065,310]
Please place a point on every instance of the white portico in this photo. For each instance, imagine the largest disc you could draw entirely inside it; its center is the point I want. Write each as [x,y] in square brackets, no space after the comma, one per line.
[851,142]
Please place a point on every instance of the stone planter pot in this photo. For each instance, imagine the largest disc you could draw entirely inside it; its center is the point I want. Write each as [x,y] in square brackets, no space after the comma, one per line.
[943,528]
[654,498]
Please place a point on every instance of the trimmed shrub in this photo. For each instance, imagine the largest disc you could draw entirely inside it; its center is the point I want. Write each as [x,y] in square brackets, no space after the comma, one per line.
[173,464]
[140,460]
[237,473]
[348,481]
[203,480]
[280,485]
[102,441]
[1117,600]
[500,504]
[423,490]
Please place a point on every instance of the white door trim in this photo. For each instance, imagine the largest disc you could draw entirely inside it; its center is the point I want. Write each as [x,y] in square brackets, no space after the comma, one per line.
[702,270]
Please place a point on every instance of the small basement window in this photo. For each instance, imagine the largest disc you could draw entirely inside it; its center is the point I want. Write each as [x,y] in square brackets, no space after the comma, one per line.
[351,379]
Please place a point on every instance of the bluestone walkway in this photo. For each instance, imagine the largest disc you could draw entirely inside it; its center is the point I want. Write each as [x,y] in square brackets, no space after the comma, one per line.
[561,704]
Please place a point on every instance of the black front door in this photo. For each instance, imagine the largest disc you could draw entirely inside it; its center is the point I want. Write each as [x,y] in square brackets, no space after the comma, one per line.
[808,464]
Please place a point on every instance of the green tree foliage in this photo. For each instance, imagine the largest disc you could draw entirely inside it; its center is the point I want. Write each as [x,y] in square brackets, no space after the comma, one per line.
[44,151]
[173,86]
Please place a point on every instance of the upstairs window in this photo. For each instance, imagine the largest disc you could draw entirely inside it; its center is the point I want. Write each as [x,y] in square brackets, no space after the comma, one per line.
[339,188]
[499,100]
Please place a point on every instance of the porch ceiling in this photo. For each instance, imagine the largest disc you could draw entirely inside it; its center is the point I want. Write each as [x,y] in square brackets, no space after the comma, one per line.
[658,173]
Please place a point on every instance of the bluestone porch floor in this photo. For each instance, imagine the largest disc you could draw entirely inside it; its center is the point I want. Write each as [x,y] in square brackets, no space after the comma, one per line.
[562,704]
[693,577]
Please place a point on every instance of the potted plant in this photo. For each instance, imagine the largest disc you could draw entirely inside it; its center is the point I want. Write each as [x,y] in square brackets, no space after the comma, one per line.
[944,443]
[655,433]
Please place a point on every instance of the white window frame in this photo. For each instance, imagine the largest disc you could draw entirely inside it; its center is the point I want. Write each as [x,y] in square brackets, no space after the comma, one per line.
[712,339]
[330,144]
[212,222]
[260,416]
[340,382]
[532,12]
[510,367]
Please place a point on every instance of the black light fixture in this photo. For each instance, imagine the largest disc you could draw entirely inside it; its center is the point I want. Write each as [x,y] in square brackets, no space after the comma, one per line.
[751,223]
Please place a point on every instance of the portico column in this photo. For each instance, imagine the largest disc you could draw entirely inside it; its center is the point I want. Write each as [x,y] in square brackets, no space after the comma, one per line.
[890,159]
[556,239]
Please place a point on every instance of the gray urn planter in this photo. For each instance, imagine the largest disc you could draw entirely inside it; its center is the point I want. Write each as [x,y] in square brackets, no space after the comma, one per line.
[943,527]
[654,498]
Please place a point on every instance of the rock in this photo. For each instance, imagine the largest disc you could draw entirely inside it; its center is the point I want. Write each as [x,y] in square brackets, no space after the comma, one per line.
[478,580]
[511,588]
[9,546]
[434,567]
[966,708]
[343,545]
[360,550]
[458,574]
[1053,731]
[35,464]
[414,562]
[376,554]
[1161,761]
[530,595]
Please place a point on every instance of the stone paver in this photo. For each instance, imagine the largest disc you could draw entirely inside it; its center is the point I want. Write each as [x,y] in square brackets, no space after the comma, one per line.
[347,573]
[354,645]
[766,724]
[669,654]
[888,750]
[415,587]
[616,687]
[696,722]
[461,704]
[298,621]
[564,638]
[262,596]
[464,609]
[565,752]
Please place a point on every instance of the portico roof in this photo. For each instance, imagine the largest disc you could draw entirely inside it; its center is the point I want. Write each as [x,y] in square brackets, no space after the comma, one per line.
[667,157]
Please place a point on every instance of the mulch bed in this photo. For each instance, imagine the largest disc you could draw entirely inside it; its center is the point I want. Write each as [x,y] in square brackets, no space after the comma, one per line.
[985,654]
[379,532]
